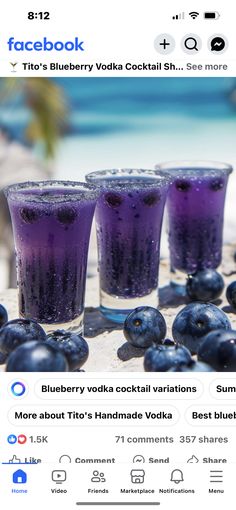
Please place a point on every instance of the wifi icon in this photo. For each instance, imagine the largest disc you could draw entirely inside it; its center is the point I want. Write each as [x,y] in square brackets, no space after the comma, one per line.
[194,14]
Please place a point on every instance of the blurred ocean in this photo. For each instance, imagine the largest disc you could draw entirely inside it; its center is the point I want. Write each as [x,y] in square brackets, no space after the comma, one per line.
[138,122]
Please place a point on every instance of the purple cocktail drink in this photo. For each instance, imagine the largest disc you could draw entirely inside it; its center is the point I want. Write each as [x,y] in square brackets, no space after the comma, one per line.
[196,214]
[51,225]
[129,216]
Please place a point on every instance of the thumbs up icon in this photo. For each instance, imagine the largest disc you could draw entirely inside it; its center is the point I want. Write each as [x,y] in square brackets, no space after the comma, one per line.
[14,460]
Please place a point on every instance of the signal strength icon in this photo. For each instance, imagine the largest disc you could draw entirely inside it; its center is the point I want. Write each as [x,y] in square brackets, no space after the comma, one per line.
[194,14]
[179,16]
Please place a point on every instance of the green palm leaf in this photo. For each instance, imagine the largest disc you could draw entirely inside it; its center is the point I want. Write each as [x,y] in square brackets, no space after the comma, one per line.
[48,107]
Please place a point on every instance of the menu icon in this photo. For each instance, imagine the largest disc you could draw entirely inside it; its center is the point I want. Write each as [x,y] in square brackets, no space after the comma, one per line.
[216,476]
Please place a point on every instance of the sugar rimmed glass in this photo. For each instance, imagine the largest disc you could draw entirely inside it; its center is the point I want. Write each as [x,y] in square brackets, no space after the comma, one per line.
[51,226]
[195,207]
[129,217]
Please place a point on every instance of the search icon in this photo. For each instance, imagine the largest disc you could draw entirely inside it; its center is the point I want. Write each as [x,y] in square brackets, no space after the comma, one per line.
[191,44]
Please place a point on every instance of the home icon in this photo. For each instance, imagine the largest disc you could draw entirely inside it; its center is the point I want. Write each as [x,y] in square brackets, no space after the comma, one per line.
[19,476]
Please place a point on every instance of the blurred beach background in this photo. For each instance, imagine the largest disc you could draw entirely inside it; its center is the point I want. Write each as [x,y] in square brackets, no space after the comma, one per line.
[120,122]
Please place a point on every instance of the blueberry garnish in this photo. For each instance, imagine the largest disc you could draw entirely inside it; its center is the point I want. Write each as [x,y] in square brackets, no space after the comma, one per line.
[29,215]
[193,366]
[151,199]
[72,345]
[182,186]
[144,326]
[36,357]
[3,358]
[231,294]
[168,342]
[113,199]
[3,316]
[19,331]
[217,184]
[204,285]
[66,216]
[160,358]
[218,349]
[195,321]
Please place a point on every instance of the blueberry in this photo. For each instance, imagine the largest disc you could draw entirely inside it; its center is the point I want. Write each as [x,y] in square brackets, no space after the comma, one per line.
[113,199]
[144,326]
[73,346]
[151,199]
[3,316]
[3,358]
[66,215]
[183,186]
[217,185]
[218,349]
[160,358]
[29,215]
[36,357]
[194,321]
[168,341]
[204,285]
[19,331]
[193,366]
[231,294]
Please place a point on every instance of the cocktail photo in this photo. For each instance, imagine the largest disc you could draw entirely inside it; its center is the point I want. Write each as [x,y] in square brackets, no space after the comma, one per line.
[118,225]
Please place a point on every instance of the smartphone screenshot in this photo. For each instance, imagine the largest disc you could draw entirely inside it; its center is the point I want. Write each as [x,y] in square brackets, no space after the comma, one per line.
[117,255]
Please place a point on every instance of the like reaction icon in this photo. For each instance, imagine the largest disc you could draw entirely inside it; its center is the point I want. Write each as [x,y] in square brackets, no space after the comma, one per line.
[12,439]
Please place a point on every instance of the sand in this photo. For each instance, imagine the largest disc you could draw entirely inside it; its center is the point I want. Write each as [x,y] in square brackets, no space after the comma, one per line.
[109,352]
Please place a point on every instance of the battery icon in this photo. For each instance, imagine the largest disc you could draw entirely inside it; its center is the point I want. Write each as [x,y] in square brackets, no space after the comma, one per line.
[211,15]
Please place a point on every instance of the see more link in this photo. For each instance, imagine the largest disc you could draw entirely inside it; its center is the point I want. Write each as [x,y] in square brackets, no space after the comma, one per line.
[45,45]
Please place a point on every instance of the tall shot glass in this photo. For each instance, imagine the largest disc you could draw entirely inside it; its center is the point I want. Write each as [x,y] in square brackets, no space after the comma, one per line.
[51,226]
[195,207]
[129,216]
